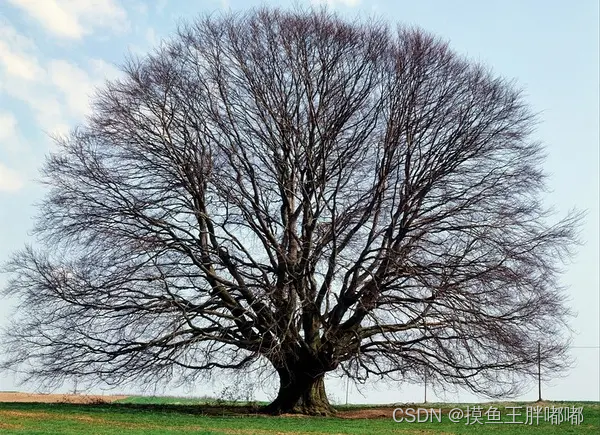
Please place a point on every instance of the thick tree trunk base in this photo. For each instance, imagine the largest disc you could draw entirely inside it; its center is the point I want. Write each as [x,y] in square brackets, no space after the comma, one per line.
[300,395]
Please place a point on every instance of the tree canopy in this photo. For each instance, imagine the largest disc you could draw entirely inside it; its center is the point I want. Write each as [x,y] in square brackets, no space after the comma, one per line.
[294,189]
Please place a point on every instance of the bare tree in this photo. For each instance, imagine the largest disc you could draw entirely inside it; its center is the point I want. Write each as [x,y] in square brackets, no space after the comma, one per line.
[293,189]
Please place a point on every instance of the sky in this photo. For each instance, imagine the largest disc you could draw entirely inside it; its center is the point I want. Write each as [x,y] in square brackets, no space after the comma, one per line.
[53,53]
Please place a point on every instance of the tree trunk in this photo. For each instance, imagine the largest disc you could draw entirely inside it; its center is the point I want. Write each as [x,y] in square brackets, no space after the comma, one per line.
[299,392]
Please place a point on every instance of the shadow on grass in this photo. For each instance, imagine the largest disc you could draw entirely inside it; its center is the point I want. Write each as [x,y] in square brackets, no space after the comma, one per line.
[134,408]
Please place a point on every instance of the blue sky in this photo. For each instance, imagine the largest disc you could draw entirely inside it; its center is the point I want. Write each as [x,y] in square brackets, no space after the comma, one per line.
[54,52]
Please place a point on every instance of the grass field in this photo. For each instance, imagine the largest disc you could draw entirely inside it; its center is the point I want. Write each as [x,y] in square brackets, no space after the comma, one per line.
[189,416]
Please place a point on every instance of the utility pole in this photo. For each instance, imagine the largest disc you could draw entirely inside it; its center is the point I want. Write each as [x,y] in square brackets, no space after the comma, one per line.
[539,373]
[347,389]
[425,399]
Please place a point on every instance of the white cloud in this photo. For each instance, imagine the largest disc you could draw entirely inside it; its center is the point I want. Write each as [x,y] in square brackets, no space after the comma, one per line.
[77,85]
[15,54]
[8,126]
[58,100]
[18,64]
[48,113]
[12,144]
[40,98]
[74,18]
[56,91]
[73,83]
[23,77]
[10,180]
[10,34]
[102,70]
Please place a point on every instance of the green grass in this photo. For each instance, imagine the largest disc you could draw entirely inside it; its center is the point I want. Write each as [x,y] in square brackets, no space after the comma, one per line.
[157,416]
